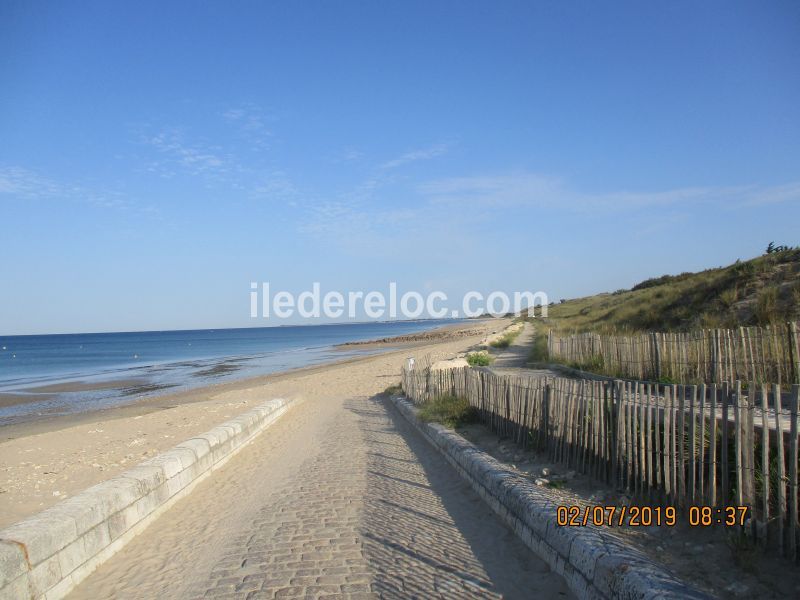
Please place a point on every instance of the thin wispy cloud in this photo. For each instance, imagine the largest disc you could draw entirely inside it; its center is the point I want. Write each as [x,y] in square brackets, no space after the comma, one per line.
[789,192]
[195,158]
[347,155]
[541,191]
[416,155]
[231,157]
[494,190]
[275,185]
[248,118]
[251,122]
[433,214]
[352,211]
[25,184]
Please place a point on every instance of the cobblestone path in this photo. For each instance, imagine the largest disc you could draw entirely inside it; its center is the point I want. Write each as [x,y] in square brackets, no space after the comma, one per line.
[339,498]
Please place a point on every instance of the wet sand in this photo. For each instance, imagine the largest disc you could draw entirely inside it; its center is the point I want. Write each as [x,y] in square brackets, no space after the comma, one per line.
[46,392]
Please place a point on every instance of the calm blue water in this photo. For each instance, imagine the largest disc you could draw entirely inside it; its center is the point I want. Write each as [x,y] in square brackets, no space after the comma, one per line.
[164,360]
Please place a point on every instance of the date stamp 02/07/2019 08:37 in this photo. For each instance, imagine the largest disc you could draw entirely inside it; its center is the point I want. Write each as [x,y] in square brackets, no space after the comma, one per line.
[645,516]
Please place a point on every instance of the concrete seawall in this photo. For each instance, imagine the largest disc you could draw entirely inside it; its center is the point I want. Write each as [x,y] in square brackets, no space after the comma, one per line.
[594,563]
[46,555]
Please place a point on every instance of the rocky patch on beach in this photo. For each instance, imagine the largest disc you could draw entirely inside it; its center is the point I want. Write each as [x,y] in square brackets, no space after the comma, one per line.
[422,336]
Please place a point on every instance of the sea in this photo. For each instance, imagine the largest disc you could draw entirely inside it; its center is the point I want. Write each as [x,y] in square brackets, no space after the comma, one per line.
[51,375]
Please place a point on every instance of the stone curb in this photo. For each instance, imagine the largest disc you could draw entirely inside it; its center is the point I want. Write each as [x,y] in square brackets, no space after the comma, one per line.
[594,563]
[48,554]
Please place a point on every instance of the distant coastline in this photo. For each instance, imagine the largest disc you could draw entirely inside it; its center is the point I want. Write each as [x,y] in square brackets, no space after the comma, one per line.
[49,375]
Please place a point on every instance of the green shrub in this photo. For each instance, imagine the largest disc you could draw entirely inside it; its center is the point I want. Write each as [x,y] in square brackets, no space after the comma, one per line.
[448,410]
[656,281]
[743,270]
[479,359]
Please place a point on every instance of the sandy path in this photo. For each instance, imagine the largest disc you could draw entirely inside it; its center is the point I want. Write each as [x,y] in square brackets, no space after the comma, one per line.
[516,355]
[340,496]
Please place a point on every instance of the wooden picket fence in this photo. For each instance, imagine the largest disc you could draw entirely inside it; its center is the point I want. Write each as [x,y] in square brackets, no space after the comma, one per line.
[762,354]
[676,445]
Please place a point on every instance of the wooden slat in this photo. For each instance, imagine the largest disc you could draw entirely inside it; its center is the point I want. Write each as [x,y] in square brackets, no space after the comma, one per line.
[723,459]
[712,447]
[748,455]
[702,439]
[603,432]
[595,432]
[668,489]
[739,433]
[681,445]
[765,459]
[659,449]
[643,436]
[780,489]
[568,424]
[692,444]
[628,437]
[583,440]
[793,472]
[648,407]
[618,428]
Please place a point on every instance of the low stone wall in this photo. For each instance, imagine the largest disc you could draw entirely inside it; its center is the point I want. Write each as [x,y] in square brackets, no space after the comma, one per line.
[48,554]
[594,563]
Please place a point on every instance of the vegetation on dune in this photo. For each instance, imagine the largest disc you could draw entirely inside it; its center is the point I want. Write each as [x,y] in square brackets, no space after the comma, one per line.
[539,352]
[448,410]
[761,291]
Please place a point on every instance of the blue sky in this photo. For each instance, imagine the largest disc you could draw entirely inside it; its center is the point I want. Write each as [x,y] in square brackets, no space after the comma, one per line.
[155,158]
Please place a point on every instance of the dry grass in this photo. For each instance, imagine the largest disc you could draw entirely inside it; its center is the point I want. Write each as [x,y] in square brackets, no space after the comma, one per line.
[506,340]
[760,291]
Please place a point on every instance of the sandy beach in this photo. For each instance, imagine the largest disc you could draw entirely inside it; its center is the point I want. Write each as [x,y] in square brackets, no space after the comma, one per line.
[48,460]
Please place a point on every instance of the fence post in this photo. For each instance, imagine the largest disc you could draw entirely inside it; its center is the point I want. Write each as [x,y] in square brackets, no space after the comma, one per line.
[545,421]
[781,487]
[793,472]
[724,466]
[656,355]
[739,428]
[794,352]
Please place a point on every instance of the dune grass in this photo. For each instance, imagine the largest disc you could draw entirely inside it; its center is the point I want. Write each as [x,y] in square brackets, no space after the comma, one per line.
[448,410]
